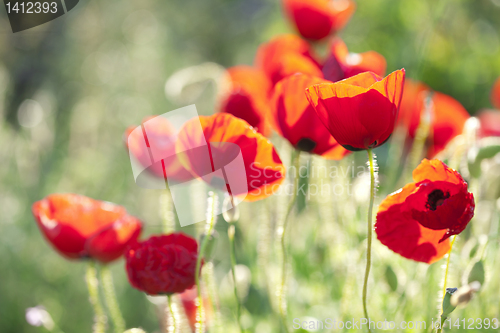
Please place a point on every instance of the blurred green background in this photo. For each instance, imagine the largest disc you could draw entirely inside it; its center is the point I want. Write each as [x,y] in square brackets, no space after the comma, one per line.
[70,88]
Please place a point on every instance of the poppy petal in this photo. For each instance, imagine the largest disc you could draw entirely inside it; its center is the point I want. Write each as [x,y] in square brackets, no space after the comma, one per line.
[109,244]
[448,116]
[495,94]
[68,221]
[285,55]
[402,234]
[245,95]
[360,111]
[263,167]
[316,19]
[295,119]
[417,220]
[490,123]
[435,170]
[342,64]
[157,137]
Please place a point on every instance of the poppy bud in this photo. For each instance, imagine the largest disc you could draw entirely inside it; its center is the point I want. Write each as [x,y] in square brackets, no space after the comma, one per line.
[448,308]
[230,212]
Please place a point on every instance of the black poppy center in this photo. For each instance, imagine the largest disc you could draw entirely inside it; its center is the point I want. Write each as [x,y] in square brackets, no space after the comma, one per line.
[306,144]
[435,199]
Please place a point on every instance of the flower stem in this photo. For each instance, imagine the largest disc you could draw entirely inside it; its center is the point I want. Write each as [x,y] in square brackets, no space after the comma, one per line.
[282,290]
[232,254]
[371,162]
[209,227]
[209,279]
[167,212]
[93,288]
[448,265]
[111,300]
[172,326]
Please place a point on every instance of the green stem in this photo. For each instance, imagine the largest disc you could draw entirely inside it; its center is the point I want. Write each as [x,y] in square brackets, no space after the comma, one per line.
[93,287]
[370,229]
[448,266]
[208,232]
[172,326]
[209,279]
[111,300]
[439,330]
[167,212]
[232,254]
[282,291]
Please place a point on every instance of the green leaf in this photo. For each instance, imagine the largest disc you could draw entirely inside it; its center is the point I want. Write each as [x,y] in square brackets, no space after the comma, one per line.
[391,278]
[477,273]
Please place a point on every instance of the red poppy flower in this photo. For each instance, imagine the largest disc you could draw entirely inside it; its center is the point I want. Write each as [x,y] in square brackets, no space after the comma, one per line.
[286,55]
[245,96]
[228,136]
[341,64]
[490,123]
[295,119]
[495,94]
[80,227]
[317,19]
[360,112]
[156,135]
[417,220]
[448,115]
[163,264]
